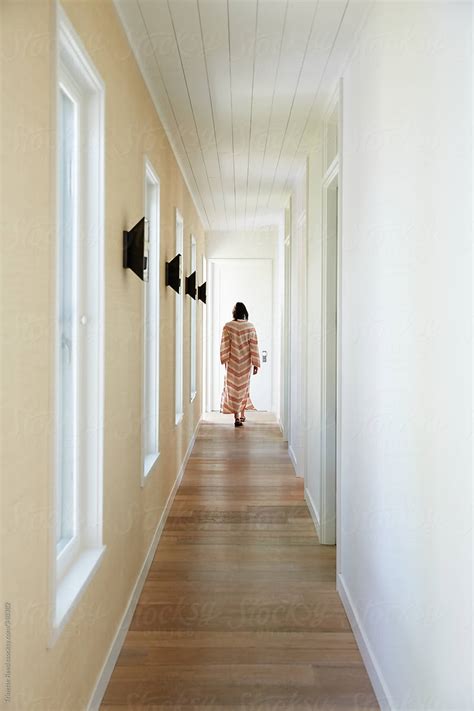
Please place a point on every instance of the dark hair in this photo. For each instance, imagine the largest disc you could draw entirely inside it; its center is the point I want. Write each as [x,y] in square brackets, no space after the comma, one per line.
[239,311]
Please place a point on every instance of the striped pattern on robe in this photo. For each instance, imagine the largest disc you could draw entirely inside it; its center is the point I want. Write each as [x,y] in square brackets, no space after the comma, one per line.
[239,352]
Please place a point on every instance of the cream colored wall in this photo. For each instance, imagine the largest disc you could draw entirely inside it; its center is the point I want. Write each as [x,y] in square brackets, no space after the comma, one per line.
[64,676]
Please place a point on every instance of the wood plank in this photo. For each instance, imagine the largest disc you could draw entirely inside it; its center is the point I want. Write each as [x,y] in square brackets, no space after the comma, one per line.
[240,609]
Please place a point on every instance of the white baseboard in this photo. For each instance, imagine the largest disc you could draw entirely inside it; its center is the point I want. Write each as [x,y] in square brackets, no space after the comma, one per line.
[292,456]
[117,643]
[379,684]
[313,512]
[282,430]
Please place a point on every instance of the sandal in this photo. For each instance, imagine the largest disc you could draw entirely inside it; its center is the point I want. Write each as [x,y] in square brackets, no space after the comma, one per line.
[237,423]
[242,419]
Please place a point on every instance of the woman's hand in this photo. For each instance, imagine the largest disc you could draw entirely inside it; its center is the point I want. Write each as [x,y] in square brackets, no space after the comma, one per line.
[255,370]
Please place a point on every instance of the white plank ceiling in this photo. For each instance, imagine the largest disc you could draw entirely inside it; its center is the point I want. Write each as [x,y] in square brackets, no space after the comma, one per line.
[239,86]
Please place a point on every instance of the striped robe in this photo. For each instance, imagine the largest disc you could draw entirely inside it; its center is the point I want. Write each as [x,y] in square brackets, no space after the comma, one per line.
[239,352]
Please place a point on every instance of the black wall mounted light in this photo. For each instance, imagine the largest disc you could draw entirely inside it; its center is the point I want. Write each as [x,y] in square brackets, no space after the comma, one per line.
[173,273]
[135,249]
[190,288]
[202,292]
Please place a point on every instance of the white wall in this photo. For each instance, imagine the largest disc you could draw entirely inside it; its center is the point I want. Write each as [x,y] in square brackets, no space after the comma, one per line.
[259,244]
[298,258]
[406,467]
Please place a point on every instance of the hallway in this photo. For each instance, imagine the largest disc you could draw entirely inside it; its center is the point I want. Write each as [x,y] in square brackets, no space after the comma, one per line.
[239,609]
[163,161]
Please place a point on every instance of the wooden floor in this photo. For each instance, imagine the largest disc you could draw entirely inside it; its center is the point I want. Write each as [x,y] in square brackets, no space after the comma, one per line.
[239,610]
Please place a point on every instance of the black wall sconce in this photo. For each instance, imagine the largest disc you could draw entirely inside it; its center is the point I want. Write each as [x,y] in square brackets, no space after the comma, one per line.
[190,287]
[202,292]
[173,273]
[135,249]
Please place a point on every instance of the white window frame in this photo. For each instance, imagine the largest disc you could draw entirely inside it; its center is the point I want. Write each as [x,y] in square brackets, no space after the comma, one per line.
[151,321]
[205,365]
[74,566]
[193,328]
[179,335]
[69,550]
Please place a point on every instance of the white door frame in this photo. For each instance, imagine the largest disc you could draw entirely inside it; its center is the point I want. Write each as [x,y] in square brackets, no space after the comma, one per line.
[285,345]
[210,281]
[330,513]
[212,262]
[339,325]
[329,370]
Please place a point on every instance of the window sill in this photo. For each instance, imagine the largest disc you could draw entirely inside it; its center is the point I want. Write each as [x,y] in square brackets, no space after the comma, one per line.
[149,463]
[71,587]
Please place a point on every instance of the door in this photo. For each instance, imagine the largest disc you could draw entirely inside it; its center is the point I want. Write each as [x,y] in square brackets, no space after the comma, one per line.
[249,281]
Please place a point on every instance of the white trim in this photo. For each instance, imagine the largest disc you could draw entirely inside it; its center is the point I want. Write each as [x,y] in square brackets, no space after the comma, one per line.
[472,344]
[203,344]
[304,329]
[76,49]
[193,327]
[70,550]
[211,287]
[149,462]
[71,58]
[292,456]
[328,479]
[150,177]
[119,638]
[376,677]
[332,173]
[340,236]
[179,316]
[313,511]
[330,489]
[71,588]
[331,107]
[286,325]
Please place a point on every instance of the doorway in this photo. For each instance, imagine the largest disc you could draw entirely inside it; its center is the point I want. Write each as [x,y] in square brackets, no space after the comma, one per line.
[250,281]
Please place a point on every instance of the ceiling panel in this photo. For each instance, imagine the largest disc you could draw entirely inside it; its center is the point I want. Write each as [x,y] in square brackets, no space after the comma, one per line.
[240,86]
[271,24]
[328,19]
[215,41]
[243,19]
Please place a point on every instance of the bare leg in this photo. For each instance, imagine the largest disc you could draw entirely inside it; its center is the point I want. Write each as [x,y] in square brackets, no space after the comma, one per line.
[242,412]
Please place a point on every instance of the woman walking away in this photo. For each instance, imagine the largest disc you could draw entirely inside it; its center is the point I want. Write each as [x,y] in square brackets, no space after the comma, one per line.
[239,352]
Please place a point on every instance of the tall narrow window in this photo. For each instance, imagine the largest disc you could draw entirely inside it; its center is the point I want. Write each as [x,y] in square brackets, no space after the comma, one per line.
[179,410]
[66,490]
[193,325]
[79,324]
[151,324]
[204,363]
